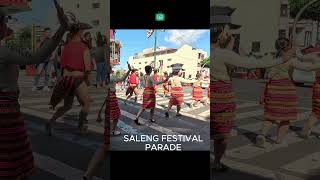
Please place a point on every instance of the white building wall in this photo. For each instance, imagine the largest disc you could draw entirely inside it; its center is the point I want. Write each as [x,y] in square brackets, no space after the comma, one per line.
[260,20]
[185,55]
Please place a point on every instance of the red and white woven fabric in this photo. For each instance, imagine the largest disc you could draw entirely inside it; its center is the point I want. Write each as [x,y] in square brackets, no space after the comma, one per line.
[14,2]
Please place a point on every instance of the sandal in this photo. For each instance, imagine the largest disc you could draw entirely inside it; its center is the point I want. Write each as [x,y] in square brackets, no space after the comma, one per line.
[137,122]
[167,115]
[178,114]
[152,120]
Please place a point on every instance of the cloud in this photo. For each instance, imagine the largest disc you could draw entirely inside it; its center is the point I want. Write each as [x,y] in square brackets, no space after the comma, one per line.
[181,37]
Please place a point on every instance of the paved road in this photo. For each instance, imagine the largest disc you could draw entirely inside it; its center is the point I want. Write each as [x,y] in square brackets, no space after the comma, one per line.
[34,105]
[295,159]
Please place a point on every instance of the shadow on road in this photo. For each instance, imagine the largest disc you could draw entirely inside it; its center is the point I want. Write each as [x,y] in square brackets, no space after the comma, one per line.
[235,174]
[316,177]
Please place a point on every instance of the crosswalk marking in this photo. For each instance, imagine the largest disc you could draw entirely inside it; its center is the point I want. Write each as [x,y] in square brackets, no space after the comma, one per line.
[250,114]
[205,113]
[250,151]
[58,168]
[308,165]
[152,126]
[246,105]
[275,175]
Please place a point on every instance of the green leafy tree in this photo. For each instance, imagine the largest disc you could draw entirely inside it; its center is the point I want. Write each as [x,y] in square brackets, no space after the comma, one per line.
[206,62]
[313,12]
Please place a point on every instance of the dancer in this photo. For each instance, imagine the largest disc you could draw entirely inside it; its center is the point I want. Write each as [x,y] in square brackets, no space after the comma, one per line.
[177,93]
[112,113]
[132,88]
[16,159]
[76,65]
[197,92]
[149,95]
[165,85]
[222,104]
[280,96]
[315,115]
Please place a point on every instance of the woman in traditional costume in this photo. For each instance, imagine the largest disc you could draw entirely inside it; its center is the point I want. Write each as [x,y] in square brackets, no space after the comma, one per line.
[149,95]
[280,96]
[177,94]
[16,158]
[197,92]
[222,103]
[112,113]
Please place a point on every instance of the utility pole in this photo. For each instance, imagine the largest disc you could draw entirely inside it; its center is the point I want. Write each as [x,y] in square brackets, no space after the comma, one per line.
[155,48]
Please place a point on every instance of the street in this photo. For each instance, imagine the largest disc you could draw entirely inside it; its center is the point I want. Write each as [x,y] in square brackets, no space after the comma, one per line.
[34,105]
[195,121]
[66,154]
[295,159]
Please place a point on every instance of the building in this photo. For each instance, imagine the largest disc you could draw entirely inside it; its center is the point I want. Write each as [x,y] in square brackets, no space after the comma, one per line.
[190,58]
[115,46]
[93,12]
[260,20]
[16,6]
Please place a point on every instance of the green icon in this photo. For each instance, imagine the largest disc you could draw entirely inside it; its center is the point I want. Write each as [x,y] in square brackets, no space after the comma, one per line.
[160,17]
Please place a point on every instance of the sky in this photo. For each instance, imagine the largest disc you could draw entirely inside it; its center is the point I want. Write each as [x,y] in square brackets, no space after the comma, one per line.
[134,41]
[41,10]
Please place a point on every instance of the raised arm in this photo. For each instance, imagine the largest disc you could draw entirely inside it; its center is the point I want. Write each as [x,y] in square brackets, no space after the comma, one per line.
[305,66]
[123,78]
[234,59]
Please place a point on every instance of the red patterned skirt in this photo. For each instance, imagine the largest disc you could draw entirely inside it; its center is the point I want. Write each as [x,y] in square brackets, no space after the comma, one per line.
[280,101]
[16,158]
[64,88]
[149,98]
[222,110]
[112,110]
[316,98]
[197,93]
[176,96]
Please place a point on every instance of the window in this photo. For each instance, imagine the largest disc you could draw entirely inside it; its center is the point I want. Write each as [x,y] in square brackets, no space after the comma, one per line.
[199,64]
[161,62]
[307,39]
[199,55]
[284,10]
[255,47]
[190,76]
[139,62]
[95,5]
[168,66]
[202,56]
[169,59]
[146,62]
[96,22]
[282,33]
[78,6]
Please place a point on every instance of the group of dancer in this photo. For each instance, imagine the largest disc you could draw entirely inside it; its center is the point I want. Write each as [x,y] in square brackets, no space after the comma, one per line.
[279,97]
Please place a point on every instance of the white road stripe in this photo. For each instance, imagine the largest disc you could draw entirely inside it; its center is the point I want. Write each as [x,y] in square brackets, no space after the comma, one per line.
[308,165]
[205,113]
[58,168]
[250,151]
[249,114]
[258,171]
[246,105]
[254,127]
[152,126]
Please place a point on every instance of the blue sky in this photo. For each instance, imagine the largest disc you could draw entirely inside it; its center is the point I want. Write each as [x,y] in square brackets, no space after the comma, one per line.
[39,14]
[134,41]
